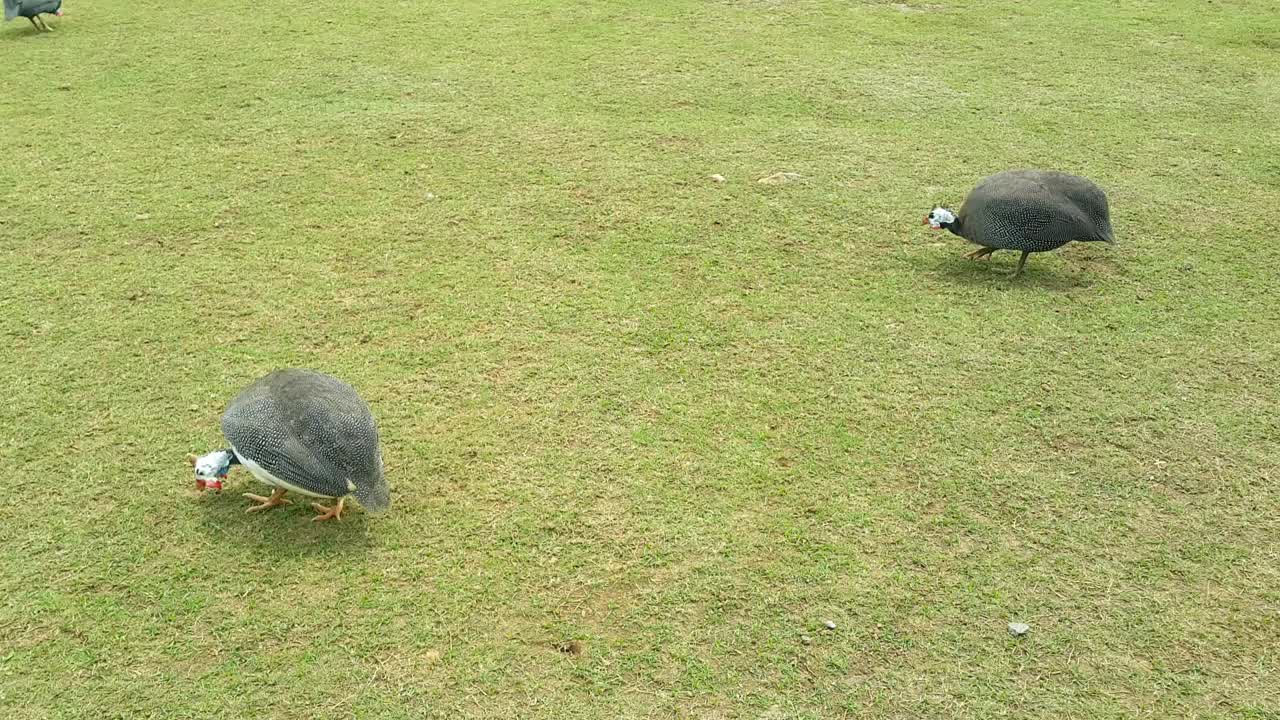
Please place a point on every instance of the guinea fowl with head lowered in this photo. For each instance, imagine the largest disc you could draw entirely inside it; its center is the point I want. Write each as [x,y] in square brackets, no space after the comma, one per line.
[1028,210]
[32,10]
[306,432]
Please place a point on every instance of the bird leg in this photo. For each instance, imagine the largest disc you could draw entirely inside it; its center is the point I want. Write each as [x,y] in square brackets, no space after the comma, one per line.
[44,25]
[329,513]
[276,499]
[1021,261]
[34,24]
[980,252]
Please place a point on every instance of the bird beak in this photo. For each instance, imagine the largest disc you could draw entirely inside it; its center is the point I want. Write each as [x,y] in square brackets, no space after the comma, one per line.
[925,221]
[59,13]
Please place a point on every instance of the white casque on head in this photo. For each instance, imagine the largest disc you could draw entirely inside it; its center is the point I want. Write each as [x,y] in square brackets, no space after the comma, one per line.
[940,216]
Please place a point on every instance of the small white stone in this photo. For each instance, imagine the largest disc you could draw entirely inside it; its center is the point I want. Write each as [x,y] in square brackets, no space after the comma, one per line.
[805,639]
[1018,629]
[828,625]
[431,196]
[718,178]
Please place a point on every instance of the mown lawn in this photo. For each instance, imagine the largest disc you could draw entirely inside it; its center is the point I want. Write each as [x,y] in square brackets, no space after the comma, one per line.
[679,422]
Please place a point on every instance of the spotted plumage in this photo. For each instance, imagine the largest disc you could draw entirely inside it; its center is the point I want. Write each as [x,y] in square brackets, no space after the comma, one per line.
[308,433]
[32,10]
[1030,211]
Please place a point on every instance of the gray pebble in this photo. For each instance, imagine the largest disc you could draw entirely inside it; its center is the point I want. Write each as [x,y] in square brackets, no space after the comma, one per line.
[828,625]
[805,640]
[1017,628]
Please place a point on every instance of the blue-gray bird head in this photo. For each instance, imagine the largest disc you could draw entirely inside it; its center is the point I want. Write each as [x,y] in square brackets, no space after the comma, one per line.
[939,217]
[212,468]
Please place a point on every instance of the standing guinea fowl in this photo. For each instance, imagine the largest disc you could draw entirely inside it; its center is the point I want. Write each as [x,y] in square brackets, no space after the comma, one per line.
[302,431]
[31,10]
[1028,210]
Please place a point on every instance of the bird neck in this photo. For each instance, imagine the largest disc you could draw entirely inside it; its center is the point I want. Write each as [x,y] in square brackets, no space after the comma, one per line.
[954,227]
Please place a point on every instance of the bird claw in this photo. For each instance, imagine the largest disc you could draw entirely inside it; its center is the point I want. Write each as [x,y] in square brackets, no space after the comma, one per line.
[328,513]
[266,503]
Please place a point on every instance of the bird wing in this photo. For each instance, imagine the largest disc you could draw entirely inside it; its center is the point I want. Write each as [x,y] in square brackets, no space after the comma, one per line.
[338,429]
[1091,201]
[1017,211]
[260,430]
[1004,222]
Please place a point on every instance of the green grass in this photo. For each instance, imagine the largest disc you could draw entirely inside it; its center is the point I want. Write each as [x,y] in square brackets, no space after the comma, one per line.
[681,422]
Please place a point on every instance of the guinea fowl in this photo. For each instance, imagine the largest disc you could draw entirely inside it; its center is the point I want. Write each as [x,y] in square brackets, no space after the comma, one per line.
[302,431]
[32,10]
[1028,210]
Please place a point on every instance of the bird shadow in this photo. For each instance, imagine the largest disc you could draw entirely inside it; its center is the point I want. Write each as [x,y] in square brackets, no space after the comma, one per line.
[998,272]
[286,531]
[26,33]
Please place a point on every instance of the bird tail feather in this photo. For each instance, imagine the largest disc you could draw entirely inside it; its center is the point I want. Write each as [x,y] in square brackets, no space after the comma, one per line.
[375,498]
[375,495]
[10,9]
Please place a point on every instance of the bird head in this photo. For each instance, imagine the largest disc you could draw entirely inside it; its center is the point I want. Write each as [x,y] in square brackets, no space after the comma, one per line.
[211,469]
[939,217]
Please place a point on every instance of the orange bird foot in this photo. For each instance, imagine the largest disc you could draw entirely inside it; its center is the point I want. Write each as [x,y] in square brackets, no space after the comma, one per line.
[329,513]
[276,499]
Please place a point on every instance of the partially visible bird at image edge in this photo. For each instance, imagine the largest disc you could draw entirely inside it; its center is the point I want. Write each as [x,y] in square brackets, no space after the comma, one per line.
[32,10]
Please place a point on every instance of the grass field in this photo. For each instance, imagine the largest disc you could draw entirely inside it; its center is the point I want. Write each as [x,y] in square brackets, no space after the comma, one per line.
[679,422]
